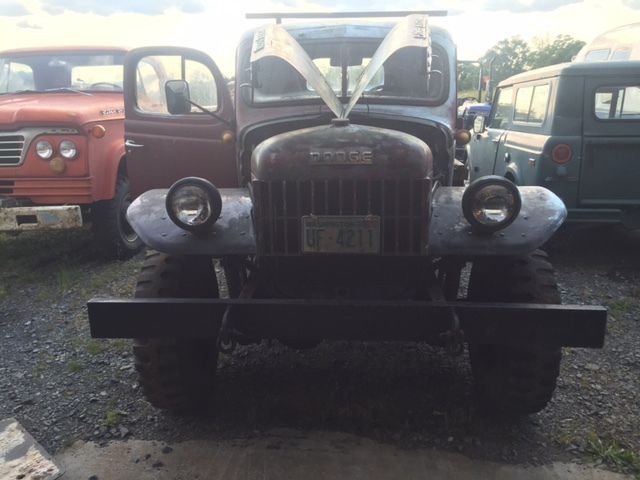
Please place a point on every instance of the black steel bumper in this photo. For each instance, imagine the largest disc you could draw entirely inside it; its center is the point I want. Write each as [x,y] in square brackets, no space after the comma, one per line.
[492,323]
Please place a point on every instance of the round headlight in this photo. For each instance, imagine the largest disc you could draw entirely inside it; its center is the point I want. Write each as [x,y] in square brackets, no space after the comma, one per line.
[491,203]
[44,149]
[68,149]
[194,204]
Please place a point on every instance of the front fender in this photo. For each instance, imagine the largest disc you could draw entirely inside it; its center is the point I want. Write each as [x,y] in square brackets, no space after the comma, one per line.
[232,234]
[541,215]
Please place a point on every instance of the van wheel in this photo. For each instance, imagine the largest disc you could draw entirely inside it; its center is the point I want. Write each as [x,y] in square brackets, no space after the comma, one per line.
[514,380]
[112,231]
[175,374]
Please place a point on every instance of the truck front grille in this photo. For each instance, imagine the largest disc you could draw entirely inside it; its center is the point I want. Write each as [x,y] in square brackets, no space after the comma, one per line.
[402,204]
[11,149]
[6,187]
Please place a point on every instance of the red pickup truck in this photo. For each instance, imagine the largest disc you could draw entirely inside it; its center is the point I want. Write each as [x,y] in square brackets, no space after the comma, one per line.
[62,154]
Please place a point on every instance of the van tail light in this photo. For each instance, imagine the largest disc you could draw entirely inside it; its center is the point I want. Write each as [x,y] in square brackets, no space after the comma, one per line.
[561,153]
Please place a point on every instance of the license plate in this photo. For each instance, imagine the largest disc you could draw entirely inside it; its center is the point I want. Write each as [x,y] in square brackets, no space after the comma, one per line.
[341,234]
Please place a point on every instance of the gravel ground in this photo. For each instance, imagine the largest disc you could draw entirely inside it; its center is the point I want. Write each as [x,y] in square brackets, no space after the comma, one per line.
[63,386]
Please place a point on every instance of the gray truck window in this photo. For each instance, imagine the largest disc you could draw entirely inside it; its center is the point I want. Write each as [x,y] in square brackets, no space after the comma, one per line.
[503,108]
[154,71]
[617,103]
[538,109]
[531,104]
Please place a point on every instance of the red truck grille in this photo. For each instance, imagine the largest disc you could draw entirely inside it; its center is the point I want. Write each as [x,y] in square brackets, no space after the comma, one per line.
[11,149]
[402,204]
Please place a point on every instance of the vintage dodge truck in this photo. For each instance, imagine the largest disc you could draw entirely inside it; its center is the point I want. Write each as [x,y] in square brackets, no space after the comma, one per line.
[326,197]
[62,157]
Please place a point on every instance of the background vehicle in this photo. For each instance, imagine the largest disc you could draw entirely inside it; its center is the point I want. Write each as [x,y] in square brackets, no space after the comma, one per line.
[618,44]
[62,157]
[470,113]
[342,222]
[573,128]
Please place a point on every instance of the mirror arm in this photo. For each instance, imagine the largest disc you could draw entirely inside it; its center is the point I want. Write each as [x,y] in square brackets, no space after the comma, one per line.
[217,117]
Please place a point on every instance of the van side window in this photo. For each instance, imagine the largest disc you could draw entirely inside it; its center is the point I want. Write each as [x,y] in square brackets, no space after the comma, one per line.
[503,108]
[538,109]
[531,104]
[621,54]
[597,55]
[617,103]
[523,102]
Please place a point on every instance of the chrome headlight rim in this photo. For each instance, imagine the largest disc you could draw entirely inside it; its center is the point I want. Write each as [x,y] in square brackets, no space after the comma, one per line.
[43,146]
[471,195]
[212,195]
[68,149]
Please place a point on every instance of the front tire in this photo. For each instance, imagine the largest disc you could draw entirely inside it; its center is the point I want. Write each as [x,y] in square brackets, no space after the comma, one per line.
[116,238]
[176,375]
[514,380]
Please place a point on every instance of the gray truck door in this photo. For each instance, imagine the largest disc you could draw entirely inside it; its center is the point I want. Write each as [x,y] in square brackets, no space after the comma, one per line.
[611,144]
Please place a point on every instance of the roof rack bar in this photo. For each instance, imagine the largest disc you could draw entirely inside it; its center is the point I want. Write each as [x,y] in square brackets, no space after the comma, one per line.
[280,15]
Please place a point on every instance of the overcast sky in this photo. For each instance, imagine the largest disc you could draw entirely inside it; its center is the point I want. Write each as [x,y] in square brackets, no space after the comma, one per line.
[215,27]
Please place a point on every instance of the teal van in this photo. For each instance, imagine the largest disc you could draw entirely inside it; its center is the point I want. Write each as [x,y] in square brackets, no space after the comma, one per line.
[573,128]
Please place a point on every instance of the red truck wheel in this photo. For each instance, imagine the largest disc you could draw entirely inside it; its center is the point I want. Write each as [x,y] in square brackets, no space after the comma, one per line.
[113,233]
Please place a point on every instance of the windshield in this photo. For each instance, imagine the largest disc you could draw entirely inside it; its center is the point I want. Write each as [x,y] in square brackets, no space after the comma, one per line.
[47,72]
[403,75]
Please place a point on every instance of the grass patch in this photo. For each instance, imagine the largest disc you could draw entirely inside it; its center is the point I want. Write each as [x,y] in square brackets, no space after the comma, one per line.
[622,306]
[611,453]
[37,257]
[74,366]
[94,346]
[111,418]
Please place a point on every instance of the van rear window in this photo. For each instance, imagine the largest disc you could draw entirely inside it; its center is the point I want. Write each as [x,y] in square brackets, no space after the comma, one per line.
[618,103]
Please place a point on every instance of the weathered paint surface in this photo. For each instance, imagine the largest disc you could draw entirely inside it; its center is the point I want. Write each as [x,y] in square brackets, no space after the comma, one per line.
[21,457]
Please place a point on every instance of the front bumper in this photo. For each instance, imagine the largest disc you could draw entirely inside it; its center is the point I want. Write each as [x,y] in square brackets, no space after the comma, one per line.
[20,219]
[478,323]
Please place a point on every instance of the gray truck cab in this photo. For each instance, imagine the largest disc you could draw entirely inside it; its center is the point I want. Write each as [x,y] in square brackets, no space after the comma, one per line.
[573,128]
[342,222]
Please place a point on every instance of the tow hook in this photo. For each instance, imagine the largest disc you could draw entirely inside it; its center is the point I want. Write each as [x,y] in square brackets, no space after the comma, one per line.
[454,337]
[226,339]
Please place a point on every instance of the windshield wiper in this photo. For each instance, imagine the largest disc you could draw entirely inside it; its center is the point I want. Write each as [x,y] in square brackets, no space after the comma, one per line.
[49,90]
[20,92]
[65,89]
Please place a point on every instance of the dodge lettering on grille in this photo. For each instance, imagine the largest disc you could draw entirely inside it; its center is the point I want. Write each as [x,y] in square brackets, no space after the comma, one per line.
[341,157]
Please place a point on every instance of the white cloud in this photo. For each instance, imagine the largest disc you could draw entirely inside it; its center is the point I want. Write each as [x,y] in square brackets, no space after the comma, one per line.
[217,29]
[13,9]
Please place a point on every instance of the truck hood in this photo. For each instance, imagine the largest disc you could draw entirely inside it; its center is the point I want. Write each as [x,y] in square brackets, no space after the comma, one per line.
[61,108]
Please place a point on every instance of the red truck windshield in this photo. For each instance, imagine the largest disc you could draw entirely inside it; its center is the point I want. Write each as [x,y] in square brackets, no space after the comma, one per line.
[50,71]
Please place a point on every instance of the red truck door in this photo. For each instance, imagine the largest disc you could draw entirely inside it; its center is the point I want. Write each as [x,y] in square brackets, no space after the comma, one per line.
[161,147]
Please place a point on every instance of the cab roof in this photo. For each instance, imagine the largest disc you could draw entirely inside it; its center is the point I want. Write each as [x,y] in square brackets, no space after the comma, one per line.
[573,69]
[332,29]
[63,49]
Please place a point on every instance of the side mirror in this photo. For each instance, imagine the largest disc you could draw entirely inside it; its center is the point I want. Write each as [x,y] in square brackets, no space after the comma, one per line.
[178,99]
[478,124]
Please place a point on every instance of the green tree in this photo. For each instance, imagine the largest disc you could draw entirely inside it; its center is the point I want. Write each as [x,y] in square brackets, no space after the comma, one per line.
[505,58]
[468,78]
[559,50]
